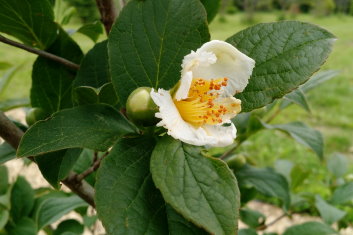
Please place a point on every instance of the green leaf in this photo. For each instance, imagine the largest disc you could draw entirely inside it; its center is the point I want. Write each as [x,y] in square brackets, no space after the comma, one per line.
[328,213]
[343,193]
[212,7]
[303,134]
[252,218]
[6,78]
[317,79]
[201,188]
[102,95]
[55,166]
[31,21]
[9,104]
[92,30]
[177,224]
[337,164]
[95,127]
[4,179]
[23,226]
[94,69]
[22,199]
[286,53]
[298,174]
[70,225]
[247,231]
[149,40]
[266,181]
[298,97]
[126,198]
[310,228]
[4,217]
[52,209]
[52,82]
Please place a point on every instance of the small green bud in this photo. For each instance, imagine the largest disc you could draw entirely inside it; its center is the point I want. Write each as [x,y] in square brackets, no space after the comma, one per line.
[236,162]
[34,115]
[140,107]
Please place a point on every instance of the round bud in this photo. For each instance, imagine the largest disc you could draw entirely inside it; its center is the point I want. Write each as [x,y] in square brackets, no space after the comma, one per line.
[140,107]
[34,115]
[236,162]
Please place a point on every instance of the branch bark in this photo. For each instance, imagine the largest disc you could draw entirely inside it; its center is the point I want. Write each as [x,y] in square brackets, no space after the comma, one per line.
[12,135]
[108,13]
[45,54]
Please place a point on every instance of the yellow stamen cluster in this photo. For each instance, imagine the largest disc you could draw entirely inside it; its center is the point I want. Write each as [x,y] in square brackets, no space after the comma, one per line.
[203,105]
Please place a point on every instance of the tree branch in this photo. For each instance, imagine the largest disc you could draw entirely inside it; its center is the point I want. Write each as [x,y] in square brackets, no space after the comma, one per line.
[108,13]
[95,165]
[44,54]
[12,135]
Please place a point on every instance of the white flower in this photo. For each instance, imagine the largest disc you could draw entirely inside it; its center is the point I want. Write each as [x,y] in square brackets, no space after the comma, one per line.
[198,112]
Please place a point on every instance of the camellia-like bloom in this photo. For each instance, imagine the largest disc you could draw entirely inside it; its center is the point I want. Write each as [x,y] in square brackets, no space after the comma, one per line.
[198,110]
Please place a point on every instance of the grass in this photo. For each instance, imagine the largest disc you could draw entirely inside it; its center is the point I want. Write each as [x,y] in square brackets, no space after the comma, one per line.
[331,102]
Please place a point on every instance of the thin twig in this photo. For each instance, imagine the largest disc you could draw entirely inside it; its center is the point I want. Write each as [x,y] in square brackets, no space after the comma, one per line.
[95,166]
[108,13]
[265,226]
[44,54]
[274,115]
[12,135]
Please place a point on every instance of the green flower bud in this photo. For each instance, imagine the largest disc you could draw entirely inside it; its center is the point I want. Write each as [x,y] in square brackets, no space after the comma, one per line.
[34,115]
[236,162]
[140,107]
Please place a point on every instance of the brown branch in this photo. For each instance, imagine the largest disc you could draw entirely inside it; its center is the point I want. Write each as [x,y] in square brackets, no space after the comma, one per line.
[95,165]
[12,135]
[44,54]
[108,13]
[265,226]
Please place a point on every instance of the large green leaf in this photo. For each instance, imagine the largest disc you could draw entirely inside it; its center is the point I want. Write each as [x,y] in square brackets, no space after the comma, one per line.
[126,198]
[310,228]
[266,181]
[201,188]
[212,7]
[22,199]
[286,53]
[343,193]
[31,21]
[95,127]
[52,82]
[177,224]
[150,39]
[297,97]
[54,208]
[55,166]
[328,213]
[303,134]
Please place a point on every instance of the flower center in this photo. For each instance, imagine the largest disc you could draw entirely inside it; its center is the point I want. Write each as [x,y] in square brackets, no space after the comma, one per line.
[204,106]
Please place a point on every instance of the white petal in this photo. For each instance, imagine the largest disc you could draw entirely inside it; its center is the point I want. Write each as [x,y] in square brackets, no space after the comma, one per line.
[231,63]
[216,135]
[224,135]
[184,87]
